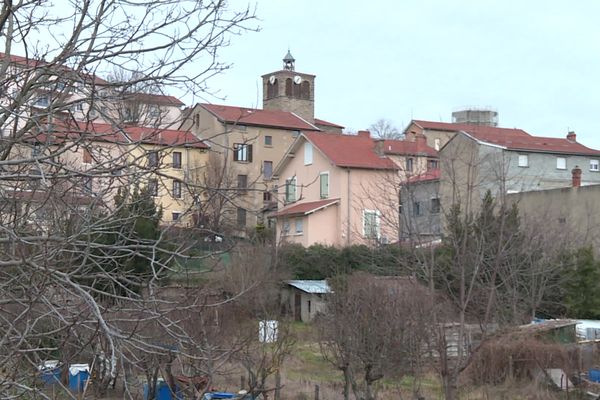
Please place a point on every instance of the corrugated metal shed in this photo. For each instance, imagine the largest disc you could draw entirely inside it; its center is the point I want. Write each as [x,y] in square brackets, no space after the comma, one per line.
[311,286]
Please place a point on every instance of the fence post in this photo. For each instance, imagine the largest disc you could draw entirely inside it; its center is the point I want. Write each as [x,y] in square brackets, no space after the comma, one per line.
[316,392]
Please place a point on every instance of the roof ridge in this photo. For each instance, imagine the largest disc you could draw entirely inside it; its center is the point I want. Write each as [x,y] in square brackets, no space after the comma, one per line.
[297,116]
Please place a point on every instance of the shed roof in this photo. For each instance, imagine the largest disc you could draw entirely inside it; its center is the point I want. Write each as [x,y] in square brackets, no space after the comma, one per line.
[311,286]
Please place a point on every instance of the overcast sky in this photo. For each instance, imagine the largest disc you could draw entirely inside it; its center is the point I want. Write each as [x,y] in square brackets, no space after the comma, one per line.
[536,62]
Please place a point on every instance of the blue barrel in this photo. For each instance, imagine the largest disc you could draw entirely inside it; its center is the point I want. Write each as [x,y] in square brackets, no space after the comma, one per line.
[50,376]
[163,392]
[594,375]
[78,376]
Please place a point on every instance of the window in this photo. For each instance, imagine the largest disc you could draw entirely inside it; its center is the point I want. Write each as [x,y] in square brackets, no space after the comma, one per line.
[153,187]
[432,164]
[88,184]
[324,183]
[154,112]
[87,156]
[177,159]
[242,152]
[267,169]
[267,196]
[436,144]
[268,140]
[371,224]
[561,163]
[42,101]
[153,159]
[77,107]
[523,160]
[175,215]
[241,217]
[409,164]
[242,183]
[416,208]
[290,190]
[435,206]
[36,150]
[176,189]
[308,153]
[286,227]
[594,165]
[309,306]
[299,226]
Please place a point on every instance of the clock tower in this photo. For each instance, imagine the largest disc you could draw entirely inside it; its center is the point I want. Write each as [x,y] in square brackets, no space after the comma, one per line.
[288,90]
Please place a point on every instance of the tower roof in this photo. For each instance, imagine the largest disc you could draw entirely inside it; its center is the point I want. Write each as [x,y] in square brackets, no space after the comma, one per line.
[288,61]
[289,57]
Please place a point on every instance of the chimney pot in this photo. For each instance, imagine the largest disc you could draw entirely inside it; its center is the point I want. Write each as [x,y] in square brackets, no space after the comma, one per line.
[571,136]
[576,176]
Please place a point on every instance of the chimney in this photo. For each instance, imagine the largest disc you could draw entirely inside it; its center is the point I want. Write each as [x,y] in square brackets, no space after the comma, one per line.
[576,174]
[421,140]
[379,148]
[366,134]
[571,136]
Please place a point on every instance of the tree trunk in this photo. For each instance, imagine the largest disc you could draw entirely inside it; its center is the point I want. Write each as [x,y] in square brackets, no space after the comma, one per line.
[347,380]
[450,386]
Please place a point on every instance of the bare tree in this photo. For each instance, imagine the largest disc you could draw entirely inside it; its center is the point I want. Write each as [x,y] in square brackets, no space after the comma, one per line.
[373,326]
[64,155]
[385,129]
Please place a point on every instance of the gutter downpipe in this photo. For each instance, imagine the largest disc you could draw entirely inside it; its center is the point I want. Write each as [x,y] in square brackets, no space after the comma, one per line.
[349,196]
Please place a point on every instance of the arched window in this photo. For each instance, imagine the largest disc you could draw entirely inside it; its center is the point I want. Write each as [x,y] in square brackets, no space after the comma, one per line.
[296,90]
[305,90]
[288,87]
[273,89]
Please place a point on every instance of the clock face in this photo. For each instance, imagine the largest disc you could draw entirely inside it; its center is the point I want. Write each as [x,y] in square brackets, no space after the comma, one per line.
[297,79]
[272,79]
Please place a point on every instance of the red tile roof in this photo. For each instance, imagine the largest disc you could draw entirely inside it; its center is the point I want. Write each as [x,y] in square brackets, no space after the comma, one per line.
[407,147]
[538,144]
[256,117]
[120,135]
[352,151]
[327,123]
[431,175]
[483,129]
[34,63]
[149,98]
[513,139]
[306,208]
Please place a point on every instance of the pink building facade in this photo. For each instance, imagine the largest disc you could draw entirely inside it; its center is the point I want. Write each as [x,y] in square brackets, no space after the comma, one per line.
[336,190]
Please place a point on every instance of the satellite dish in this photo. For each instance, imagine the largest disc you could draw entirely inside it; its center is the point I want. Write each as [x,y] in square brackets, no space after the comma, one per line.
[297,79]
[272,79]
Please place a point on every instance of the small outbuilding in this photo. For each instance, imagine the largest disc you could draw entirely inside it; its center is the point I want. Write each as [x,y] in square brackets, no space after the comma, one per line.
[305,298]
